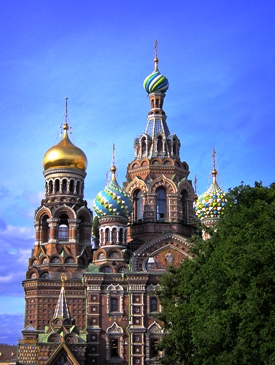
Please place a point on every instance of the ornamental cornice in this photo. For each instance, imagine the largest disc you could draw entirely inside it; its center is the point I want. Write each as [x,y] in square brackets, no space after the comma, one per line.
[113,218]
[67,172]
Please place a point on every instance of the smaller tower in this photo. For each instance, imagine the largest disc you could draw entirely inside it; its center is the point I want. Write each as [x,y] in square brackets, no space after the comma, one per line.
[209,207]
[113,207]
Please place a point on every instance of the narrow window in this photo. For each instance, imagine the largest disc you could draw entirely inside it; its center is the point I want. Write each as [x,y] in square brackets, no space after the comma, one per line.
[63,229]
[78,188]
[121,235]
[161,204]
[153,347]
[138,206]
[114,236]
[45,229]
[63,232]
[153,304]
[159,145]
[50,187]
[107,235]
[114,305]
[64,186]
[114,348]
[71,186]
[143,146]
[57,184]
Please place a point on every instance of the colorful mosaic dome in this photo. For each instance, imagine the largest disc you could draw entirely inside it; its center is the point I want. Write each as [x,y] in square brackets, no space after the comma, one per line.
[156,82]
[210,205]
[113,200]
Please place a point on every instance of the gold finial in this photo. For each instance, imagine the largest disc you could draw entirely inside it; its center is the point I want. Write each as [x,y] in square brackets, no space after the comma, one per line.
[63,279]
[156,60]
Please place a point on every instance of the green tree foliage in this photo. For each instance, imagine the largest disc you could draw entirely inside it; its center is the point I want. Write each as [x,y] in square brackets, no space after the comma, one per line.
[219,308]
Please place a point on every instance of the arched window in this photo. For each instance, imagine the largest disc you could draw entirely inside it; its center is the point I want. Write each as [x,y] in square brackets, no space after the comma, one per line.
[107,235]
[114,305]
[120,235]
[71,186]
[63,229]
[50,187]
[45,229]
[57,185]
[138,206]
[153,304]
[78,188]
[64,186]
[161,204]
[184,206]
[114,236]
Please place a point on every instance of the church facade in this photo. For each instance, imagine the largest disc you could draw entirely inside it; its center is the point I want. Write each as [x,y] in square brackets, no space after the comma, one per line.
[95,302]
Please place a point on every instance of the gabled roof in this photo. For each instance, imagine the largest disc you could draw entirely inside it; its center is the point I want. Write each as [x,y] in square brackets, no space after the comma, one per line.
[58,351]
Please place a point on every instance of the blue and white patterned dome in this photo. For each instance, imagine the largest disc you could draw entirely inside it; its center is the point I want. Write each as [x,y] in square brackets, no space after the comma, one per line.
[156,82]
[113,200]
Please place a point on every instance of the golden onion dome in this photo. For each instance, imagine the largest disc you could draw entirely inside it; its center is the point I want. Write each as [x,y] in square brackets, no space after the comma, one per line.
[65,155]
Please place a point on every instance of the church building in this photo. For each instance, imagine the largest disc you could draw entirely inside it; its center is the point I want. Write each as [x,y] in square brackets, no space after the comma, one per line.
[90,286]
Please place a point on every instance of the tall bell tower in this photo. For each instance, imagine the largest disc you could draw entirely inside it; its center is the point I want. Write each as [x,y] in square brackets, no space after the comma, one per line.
[63,236]
[157,179]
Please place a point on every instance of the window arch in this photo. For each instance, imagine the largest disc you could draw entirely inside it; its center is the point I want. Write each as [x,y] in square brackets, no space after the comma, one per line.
[138,206]
[161,204]
[45,229]
[57,185]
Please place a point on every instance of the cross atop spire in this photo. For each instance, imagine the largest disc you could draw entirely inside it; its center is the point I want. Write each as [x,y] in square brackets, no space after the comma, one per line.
[113,164]
[156,60]
[214,171]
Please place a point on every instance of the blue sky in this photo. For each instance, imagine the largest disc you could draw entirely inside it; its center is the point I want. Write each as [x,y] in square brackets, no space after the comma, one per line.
[219,58]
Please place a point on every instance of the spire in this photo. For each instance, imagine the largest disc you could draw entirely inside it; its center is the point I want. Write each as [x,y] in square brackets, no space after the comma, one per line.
[61,309]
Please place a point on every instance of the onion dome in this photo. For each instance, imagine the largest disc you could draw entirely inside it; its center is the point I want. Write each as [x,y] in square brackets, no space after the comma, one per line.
[156,82]
[210,205]
[113,200]
[65,155]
